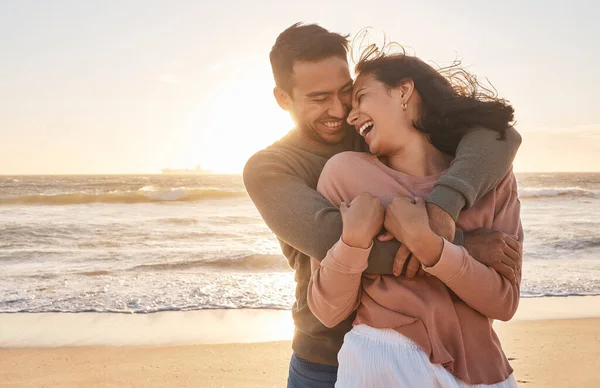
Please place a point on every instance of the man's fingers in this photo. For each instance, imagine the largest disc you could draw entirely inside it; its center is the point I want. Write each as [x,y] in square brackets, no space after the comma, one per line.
[385,236]
[512,243]
[413,267]
[421,271]
[401,257]
[505,271]
[511,254]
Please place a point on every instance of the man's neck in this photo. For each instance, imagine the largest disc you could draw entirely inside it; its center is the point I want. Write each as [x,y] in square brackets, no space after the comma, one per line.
[347,144]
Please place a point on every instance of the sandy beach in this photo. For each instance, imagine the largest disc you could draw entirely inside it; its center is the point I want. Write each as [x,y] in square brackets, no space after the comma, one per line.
[552,342]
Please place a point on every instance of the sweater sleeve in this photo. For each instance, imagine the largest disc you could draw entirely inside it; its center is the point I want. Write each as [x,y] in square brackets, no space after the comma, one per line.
[481,161]
[299,215]
[334,287]
[479,286]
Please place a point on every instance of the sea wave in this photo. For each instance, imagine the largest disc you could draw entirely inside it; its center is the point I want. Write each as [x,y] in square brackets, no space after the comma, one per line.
[541,294]
[577,244]
[21,305]
[143,195]
[178,221]
[254,262]
[557,192]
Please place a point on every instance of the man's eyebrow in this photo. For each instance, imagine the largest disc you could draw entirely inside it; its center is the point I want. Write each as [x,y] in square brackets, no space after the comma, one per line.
[323,93]
[317,94]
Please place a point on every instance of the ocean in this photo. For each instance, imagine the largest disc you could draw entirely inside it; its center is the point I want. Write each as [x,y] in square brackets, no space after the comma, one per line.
[139,244]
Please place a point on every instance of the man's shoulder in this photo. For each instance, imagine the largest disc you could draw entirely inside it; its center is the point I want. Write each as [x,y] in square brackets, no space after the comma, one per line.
[277,153]
[280,147]
[284,157]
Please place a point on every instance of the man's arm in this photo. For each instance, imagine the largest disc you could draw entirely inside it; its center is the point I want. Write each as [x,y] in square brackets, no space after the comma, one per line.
[304,219]
[481,162]
[298,214]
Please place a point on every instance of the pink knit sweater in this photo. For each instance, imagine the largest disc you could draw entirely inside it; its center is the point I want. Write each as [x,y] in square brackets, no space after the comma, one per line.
[450,314]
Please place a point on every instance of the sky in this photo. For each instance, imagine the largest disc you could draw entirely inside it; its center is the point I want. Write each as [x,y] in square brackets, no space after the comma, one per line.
[122,86]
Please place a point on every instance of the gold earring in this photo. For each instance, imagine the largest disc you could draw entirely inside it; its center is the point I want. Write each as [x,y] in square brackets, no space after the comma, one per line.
[404,107]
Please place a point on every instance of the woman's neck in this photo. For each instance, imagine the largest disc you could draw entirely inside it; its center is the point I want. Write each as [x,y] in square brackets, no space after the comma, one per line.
[419,157]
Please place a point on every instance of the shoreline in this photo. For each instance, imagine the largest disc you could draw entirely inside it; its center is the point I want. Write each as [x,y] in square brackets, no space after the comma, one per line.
[251,348]
[39,330]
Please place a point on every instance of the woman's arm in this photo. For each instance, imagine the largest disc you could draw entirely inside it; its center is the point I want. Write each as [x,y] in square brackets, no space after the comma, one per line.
[334,287]
[481,287]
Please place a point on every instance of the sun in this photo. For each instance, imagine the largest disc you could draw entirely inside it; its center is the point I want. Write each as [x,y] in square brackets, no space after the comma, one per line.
[243,119]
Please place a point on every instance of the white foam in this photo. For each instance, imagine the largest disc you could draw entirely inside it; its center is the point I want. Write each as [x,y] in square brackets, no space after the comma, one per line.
[167,195]
[556,192]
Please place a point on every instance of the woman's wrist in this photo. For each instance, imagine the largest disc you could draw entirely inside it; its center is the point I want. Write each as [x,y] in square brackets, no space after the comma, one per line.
[428,248]
[355,240]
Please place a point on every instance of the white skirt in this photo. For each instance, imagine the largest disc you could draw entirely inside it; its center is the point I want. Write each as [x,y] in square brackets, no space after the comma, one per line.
[374,358]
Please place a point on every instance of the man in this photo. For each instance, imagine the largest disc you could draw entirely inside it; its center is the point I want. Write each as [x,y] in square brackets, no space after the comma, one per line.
[313,84]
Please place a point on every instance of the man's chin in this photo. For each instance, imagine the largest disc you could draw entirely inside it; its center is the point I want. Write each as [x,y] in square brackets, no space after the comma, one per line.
[334,137]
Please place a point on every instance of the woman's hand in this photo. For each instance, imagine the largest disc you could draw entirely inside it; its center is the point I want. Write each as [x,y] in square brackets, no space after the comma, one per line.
[362,220]
[407,220]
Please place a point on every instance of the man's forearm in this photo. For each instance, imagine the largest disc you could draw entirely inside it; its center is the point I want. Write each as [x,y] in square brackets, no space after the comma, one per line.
[300,216]
[481,161]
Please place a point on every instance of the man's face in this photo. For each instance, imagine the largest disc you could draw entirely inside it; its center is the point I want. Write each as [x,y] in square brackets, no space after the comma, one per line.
[321,99]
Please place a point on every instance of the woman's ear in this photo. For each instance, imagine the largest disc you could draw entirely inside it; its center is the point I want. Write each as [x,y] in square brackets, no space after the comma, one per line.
[406,89]
[283,99]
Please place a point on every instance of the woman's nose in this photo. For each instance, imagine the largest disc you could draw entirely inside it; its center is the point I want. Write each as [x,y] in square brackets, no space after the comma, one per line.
[352,117]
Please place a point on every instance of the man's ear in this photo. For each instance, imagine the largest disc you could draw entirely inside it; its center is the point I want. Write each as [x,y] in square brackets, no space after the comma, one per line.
[283,99]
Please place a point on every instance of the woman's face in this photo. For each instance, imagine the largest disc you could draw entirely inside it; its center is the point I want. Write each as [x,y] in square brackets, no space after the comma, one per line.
[378,115]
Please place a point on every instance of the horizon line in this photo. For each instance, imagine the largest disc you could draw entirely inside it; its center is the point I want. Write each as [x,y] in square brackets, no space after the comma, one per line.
[238,173]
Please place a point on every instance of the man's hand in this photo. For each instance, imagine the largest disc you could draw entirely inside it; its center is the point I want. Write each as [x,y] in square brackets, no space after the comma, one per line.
[496,250]
[361,220]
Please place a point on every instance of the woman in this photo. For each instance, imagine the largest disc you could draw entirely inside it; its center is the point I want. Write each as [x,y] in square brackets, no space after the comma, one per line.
[432,331]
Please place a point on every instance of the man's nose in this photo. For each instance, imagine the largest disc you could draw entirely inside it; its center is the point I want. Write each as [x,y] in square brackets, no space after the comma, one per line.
[337,109]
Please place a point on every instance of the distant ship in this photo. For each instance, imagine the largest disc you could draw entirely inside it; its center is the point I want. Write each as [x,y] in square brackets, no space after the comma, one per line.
[185,171]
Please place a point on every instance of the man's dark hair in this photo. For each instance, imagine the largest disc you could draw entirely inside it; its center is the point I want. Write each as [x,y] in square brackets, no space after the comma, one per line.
[307,43]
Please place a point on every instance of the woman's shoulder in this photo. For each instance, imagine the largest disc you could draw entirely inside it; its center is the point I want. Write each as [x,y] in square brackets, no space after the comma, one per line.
[343,163]
[508,184]
[351,156]
[348,171]
[484,211]
[348,160]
